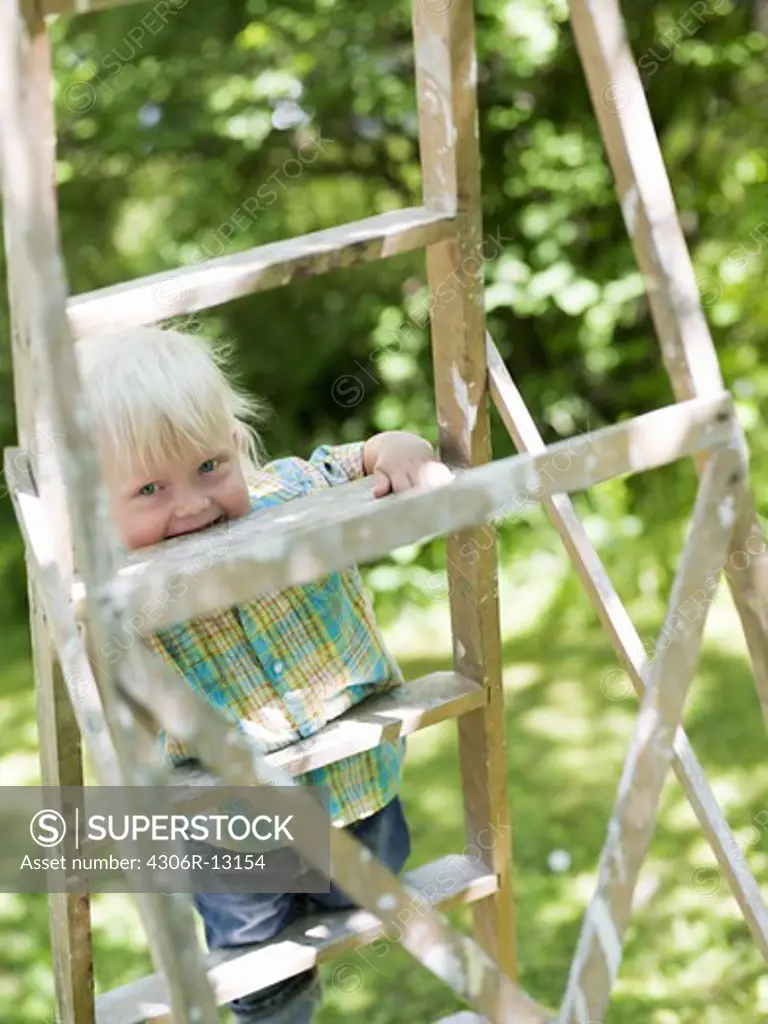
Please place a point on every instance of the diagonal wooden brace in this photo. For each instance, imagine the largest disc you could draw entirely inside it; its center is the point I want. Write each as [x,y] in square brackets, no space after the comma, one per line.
[599,950]
[629,648]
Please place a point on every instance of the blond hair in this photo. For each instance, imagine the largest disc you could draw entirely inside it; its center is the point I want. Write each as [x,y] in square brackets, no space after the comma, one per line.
[154,394]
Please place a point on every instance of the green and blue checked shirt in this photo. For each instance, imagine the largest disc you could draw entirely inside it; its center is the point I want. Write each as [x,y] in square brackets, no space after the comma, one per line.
[282,666]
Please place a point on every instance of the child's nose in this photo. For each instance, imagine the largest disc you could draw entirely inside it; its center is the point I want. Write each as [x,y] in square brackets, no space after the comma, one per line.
[191,503]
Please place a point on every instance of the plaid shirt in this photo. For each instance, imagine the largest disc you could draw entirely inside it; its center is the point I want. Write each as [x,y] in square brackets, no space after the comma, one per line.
[282,666]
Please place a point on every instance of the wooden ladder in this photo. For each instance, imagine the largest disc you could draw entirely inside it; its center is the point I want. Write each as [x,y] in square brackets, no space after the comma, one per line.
[76,575]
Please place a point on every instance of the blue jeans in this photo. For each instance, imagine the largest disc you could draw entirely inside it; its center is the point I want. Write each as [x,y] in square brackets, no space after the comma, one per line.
[242,919]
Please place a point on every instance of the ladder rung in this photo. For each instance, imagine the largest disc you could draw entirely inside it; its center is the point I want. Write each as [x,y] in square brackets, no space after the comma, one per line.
[302,539]
[446,882]
[415,705]
[188,289]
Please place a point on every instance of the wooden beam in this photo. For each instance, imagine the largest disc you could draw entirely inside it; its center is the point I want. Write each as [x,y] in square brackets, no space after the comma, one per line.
[40,289]
[598,954]
[654,228]
[210,283]
[60,750]
[236,760]
[45,577]
[298,541]
[629,648]
[446,83]
[447,882]
[415,705]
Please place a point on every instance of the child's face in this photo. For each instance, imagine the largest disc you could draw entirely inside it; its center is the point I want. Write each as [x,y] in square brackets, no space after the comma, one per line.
[180,496]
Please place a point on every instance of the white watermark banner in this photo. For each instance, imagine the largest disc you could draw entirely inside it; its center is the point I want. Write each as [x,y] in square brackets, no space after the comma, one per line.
[180,838]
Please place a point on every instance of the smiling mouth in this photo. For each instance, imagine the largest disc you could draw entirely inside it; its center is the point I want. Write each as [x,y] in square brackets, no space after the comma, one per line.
[201,529]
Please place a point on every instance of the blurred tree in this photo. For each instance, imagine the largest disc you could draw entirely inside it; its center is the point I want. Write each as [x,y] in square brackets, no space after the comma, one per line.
[188,130]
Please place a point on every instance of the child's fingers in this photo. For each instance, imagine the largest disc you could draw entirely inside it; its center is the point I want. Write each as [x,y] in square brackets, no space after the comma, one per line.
[427,474]
[408,475]
[432,474]
[401,480]
[381,484]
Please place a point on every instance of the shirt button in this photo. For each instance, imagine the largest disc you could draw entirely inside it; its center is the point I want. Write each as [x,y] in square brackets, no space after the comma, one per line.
[278,667]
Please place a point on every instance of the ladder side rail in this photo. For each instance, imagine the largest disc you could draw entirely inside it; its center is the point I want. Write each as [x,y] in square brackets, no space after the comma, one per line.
[598,953]
[41,295]
[45,573]
[446,82]
[650,215]
[59,746]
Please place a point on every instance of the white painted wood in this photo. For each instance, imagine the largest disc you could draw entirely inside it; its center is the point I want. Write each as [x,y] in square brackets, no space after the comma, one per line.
[446,91]
[645,192]
[449,881]
[464,1018]
[303,539]
[629,648]
[188,289]
[40,289]
[598,953]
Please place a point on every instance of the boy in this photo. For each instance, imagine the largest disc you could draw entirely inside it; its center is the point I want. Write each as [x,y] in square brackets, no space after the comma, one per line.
[180,456]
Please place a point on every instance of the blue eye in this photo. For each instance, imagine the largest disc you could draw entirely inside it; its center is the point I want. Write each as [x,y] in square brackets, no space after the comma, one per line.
[209,465]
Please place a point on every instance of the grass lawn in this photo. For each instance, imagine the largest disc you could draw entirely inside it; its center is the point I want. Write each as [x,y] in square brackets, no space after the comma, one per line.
[688,955]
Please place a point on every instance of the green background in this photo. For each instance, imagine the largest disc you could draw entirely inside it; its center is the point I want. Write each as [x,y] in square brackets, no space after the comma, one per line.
[165,131]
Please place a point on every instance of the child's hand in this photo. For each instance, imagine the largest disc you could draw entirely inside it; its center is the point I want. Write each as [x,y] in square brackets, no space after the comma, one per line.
[398,461]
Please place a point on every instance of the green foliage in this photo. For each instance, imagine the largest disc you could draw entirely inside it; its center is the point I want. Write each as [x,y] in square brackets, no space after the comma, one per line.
[217,127]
